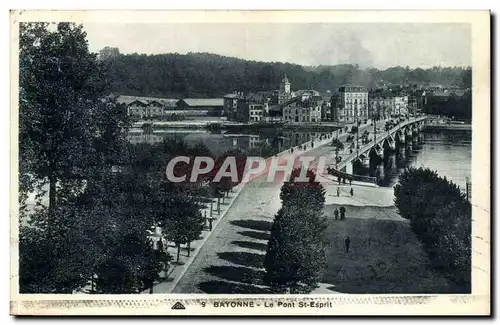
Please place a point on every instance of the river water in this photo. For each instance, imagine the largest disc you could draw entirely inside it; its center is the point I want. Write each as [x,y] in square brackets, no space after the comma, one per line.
[449,153]
[271,142]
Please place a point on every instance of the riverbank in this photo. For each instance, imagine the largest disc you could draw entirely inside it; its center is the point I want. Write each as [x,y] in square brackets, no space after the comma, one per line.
[450,127]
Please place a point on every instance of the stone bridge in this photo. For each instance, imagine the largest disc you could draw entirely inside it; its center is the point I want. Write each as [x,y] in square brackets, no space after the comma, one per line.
[382,140]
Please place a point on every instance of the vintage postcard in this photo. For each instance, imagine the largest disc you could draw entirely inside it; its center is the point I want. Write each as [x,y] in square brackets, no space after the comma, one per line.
[250,163]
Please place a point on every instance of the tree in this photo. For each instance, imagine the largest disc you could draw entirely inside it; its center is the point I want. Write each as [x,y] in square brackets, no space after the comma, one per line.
[63,96]
[71,132]
[116,276]
[308,194]
[109,53]
[233,163]
[440,217]
[295,254]
[182,220]
[191,75]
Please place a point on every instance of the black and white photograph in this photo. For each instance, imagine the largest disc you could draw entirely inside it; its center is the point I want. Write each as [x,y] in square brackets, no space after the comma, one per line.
[307,159]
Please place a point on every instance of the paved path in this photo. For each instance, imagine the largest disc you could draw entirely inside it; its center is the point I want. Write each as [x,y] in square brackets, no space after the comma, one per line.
[231,259]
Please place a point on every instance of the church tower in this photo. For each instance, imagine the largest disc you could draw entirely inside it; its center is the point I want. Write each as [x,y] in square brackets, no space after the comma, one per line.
[285,86]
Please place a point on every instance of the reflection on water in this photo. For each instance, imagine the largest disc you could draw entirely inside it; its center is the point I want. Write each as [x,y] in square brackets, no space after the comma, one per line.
[268,143]
[447,152]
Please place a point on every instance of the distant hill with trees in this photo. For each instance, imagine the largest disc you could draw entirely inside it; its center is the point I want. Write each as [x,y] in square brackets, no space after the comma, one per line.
[211,75]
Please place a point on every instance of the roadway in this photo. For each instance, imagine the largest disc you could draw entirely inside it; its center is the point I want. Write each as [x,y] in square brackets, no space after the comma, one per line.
[381,136]
[231,259]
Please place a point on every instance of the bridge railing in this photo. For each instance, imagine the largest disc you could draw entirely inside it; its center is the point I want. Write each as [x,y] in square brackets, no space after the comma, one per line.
[365,148]
[353,177]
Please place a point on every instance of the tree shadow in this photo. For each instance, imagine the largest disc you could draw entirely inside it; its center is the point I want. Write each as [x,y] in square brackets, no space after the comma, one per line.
[253,224]
[243,258]
[226,287]
[251,245]
[255,234]
[236,273]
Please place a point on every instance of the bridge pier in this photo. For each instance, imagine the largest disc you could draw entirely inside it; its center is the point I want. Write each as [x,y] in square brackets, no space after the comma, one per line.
[380,152]
[348,168]
[365,161]
[401,137]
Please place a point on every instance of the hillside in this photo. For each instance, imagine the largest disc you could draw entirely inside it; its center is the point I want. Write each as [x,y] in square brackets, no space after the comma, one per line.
[211,75]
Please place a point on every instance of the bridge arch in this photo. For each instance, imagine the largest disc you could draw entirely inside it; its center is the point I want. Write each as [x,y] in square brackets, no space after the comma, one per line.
[389,143]
[376,152]
[400,136]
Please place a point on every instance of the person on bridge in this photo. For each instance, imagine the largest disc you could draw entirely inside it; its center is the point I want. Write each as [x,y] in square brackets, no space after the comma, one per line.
[351,191]
[336,213]
[347,244]
[342,213]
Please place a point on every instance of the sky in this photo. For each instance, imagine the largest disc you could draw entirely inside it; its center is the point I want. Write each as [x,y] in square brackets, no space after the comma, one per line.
[378,45]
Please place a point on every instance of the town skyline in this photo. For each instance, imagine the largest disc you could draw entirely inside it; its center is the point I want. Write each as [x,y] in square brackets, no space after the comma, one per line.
[379,46]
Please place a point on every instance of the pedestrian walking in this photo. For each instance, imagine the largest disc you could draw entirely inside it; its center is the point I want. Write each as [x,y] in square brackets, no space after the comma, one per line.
[336,213]
[342,213]
[338,191]
[347,244]
[351,191]
[338,178]
[350,182]
[210,223]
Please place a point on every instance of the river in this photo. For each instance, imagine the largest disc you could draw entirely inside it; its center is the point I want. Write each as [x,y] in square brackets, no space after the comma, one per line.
[447,152]
[264,143]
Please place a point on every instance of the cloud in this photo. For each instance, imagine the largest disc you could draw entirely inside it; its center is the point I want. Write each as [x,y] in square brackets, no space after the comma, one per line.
[378,45]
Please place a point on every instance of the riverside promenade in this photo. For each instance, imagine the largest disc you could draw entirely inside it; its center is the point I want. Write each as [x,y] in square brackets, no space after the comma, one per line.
[246,199]
[232,253]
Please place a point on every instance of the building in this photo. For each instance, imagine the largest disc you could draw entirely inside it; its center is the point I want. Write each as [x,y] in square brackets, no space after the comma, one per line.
[275,114]
[298,111]
[147,107]
[381,104]
[306,93]
[326,110]
[284,93]
[251,108]
[230,104]
[400,105]
[386,103]
[435,101]
[206,106]
[350,104]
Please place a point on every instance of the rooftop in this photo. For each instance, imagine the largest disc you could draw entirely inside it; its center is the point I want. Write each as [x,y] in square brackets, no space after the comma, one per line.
[352,88]
[124,99]
[204,101]
[232,96]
